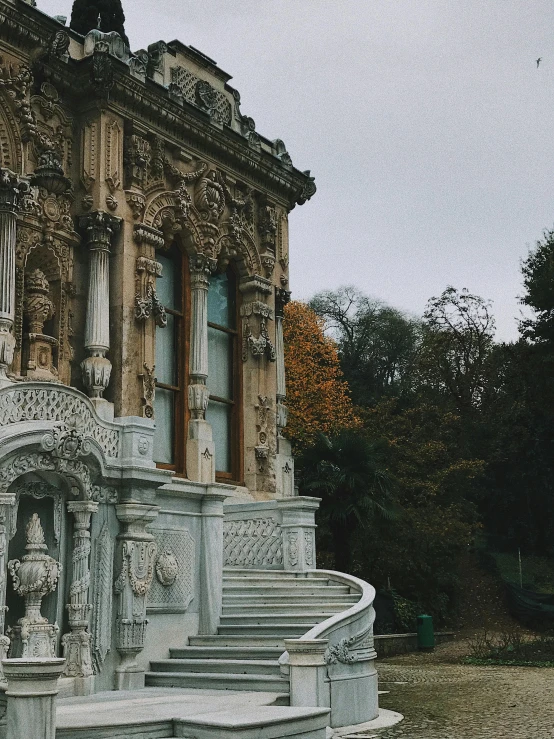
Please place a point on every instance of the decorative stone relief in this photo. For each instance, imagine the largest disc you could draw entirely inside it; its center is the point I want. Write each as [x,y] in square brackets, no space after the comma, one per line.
[148,390]
[261,346]
[38,308]
[89,155]
[309,548]
[137,556]
[136,202]
[55,404]
[253,542]
[17,82]
[35,576]
[146,299]
[101,75]
[308,189]
[351,649]
[210,196]
[264,446]
[113,155]
[67,440]
[102,597]
[200,93]
[292,543]
[173,587]
[77,472]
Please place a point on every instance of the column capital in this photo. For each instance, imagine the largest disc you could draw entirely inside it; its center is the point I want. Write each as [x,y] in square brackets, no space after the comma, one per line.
[201,266]
[12,187]
[100,228]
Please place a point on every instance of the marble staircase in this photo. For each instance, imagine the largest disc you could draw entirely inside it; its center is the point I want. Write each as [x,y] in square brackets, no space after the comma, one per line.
[260,610]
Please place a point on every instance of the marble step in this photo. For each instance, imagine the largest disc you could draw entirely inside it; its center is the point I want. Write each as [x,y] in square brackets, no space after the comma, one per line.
[305,616]
[242,640]
[218,681]
[153,730]
[261,609]
[230,666]
[289,630]
[236,652]
[289,598]
[283,581]
[263,722]
[283,591]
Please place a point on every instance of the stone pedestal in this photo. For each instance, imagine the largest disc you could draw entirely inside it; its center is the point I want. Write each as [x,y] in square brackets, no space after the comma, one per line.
[298,526]
[31,694]
[211,564]
[309,685]
[137,555]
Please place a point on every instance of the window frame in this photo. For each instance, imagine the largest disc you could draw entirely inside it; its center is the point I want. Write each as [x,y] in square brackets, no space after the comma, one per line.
[182,351]
[236,474]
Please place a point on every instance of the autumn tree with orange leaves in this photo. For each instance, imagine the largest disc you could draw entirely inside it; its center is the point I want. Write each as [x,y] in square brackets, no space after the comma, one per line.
[318,397]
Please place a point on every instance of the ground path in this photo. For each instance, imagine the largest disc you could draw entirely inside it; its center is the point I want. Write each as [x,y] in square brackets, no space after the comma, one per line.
[444,700]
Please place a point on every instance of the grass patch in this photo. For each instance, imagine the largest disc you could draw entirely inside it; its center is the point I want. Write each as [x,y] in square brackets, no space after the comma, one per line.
[511,648]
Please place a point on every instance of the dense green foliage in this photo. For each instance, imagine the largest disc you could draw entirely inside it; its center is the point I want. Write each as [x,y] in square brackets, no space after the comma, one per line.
[460,428]
[85,15]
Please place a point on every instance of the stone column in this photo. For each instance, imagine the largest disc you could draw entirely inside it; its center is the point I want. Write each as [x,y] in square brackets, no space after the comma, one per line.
[77,643]
[7,503]
[99,228]
[31,694]
[200,446]
[137,556]
[285,460]
[11,188]
[211,563]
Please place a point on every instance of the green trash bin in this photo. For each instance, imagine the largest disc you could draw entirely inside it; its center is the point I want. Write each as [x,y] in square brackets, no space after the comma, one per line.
[425,632]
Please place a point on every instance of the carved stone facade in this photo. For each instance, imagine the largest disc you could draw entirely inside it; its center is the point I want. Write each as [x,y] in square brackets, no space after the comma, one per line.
[107,182]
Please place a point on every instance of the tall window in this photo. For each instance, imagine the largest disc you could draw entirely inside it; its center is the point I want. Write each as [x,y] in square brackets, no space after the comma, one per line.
[223,380]
[170,364]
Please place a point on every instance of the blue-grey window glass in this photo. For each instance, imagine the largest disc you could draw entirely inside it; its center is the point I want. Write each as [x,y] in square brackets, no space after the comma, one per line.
[166,360]
[218,416]
[166,285]
[165,423]
[221,301]
[168,289]
[220,363]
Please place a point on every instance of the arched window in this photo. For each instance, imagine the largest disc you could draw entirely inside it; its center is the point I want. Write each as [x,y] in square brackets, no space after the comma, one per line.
[169,404]
[223,412]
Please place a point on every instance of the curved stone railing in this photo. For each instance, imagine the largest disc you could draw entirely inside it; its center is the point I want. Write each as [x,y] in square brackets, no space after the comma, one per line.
[332,665]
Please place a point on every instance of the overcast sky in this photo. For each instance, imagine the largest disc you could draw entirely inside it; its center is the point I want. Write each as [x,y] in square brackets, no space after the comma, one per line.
[426,123]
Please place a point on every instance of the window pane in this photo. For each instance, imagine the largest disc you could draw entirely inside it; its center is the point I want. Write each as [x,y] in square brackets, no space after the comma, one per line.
[166,365]
[167,286]
[219,416]
[164,415]
[220,363]
[221,302]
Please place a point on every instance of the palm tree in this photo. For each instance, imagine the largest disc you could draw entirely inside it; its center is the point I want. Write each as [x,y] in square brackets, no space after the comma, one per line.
[347,472]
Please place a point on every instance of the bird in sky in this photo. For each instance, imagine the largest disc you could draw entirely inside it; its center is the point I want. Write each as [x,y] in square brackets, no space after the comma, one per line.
[539,60]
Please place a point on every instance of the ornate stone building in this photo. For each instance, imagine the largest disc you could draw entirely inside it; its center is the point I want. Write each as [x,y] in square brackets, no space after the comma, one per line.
[143,276]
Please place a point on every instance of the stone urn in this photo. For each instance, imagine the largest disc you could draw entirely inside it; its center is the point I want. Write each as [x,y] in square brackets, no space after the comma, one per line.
[35,576]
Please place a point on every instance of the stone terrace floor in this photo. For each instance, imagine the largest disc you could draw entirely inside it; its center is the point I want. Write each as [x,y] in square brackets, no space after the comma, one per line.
[442,700]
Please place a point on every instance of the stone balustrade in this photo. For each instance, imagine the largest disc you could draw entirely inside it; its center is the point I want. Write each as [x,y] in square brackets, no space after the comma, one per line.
[272,535]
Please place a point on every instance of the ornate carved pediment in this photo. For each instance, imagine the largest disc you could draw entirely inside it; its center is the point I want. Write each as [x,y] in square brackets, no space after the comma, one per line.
[43,402]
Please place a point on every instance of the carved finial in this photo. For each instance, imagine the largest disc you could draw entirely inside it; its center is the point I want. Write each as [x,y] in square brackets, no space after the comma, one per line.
[35,534]
[99,21]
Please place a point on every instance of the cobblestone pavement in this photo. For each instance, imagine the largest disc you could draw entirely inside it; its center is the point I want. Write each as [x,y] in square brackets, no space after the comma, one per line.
[449,701]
